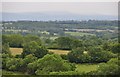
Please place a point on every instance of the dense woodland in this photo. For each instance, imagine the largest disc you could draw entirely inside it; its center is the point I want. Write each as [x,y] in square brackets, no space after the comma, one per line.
[36,38]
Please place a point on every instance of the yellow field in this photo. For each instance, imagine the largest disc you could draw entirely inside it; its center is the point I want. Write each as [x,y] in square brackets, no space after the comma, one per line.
[59,51]
[16,51]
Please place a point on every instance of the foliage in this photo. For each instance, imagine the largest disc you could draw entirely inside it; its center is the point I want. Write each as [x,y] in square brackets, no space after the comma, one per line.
[68,43]
[29,38]
[116,48]
[64,56]
[5,54]
[91,41]
[90,55]
[17,40]
[14,40]
[110,68]
[13,64]
[100,55]
[4,72]
[112,46]
[35,58]
[5,49]
[18,64]
[35,49]
[65,73]
[50,63]
[64,42]
[28,59]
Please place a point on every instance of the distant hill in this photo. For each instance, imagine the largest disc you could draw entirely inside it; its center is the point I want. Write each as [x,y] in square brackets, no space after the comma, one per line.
[53,16]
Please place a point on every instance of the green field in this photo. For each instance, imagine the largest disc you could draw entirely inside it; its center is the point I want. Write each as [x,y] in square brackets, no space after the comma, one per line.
[79,34]
[86,67]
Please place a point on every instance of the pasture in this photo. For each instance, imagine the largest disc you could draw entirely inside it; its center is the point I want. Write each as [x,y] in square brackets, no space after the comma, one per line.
[79,34]
[16,51]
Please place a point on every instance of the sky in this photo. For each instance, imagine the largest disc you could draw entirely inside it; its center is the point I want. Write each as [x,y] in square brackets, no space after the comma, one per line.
[58,10]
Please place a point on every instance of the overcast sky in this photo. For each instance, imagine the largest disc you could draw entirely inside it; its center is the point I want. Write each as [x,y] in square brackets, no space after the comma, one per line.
[59,10]
[82,8]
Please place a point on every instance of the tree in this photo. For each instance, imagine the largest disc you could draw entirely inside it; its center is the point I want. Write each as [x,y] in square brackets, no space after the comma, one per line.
[90,55]
[35,49]
[29,38]
[41,51]
[5,54]
[100,55]
[76,43]
[4,59]
[14,40]
[5,39]
[110,68]
[5,49]
[50,63]
[116,48]
[19,64]
[64,42]
[68,43]
[79,55]
[13,64]
[28,59]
